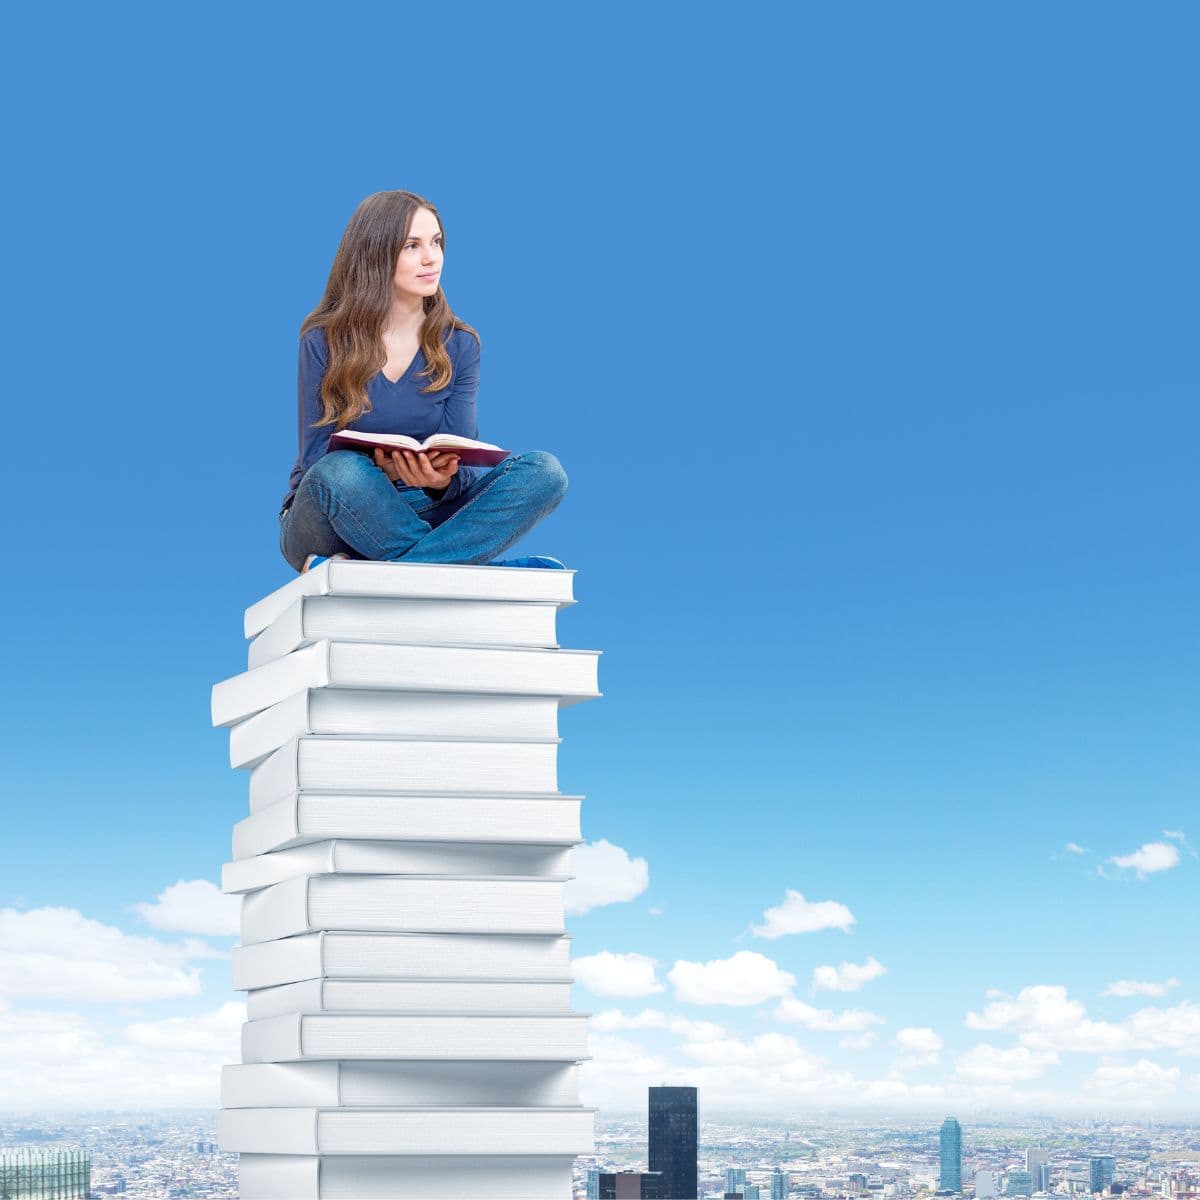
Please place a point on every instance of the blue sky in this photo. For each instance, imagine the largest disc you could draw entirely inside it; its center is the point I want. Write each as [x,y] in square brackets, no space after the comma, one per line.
[867,336]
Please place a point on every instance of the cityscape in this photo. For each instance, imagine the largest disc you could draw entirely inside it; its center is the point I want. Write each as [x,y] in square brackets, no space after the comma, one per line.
[670,1152]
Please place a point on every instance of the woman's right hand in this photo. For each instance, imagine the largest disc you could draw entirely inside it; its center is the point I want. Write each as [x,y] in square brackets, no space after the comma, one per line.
[418,469]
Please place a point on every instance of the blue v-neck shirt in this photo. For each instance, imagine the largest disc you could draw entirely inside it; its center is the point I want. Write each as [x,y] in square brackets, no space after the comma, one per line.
[400,407]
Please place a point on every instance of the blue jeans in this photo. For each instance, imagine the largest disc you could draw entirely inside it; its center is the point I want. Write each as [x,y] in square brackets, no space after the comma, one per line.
[346,504]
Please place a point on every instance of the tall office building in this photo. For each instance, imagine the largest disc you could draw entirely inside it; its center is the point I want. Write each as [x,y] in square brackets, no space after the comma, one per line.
[950,1157]
[735,1179]
[779,1185]
[1037,1163]
[673,1140]
[1102,1169]
[1020,1183]
[61,1174]
[987,1185]
[628,1185]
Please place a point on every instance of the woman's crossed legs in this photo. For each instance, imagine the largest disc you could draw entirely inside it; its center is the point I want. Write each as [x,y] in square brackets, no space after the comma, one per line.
[345,504]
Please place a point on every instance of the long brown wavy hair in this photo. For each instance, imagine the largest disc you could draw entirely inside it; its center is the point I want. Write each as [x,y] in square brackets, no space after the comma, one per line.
[358,298]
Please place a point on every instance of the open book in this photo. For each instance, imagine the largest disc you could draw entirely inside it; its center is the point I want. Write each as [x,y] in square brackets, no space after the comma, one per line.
[470,452]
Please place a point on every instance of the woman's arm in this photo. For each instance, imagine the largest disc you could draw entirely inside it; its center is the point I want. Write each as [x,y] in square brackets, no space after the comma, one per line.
[314,356]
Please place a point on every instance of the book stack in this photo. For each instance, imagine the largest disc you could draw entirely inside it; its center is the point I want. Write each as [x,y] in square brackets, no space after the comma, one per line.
[402,872]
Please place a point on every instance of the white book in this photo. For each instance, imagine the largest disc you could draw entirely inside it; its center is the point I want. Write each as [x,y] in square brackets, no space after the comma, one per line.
[424,1131]
[347,955]
[351,712]
[302,817]
[380,1177]
[409,995]
[355,1084]
[568,674]
[432,581]
[425,1036]
[404,904]
[387,619]
[369,765]
[337,856]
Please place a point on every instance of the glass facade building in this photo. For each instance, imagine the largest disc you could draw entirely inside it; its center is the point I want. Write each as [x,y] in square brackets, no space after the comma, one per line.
[673,1143]
[629,1185]
[46,1175]
[1020,1183]
[1102,1169]
[950,1157]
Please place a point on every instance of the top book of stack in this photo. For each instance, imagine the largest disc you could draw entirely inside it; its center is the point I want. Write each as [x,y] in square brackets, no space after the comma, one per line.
[433,581]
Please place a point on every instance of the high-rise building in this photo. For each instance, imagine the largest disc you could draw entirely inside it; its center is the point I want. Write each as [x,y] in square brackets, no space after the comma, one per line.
[950,1157]
[593,1183]
[1020,1183]
[1037,1163]
[672,1129]
[779,1185]
[63,1174]
[987,1185]
[1101,1171]
[735,1178]
[628,1185]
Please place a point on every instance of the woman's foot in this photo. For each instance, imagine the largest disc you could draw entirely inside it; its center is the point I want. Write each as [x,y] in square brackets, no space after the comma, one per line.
[531,560]
[315,560]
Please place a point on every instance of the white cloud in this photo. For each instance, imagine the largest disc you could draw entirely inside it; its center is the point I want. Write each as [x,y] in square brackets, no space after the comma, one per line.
[858,1041]
[745,978]
[922,1048]
[1074,848]
[988,1064]
[193,906]
[847,976]
[1045,1018]
[798,915]
[824,1020]
[1176,1028]
[66,1060]
[59,954]
[1134,987]
[1140,1082]
[604,874]
[1176,835]
[1149,859]
[654,1018]
[609,974]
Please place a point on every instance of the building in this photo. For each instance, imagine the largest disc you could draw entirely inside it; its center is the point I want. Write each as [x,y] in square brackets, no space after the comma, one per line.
[987,1185]
[673,1143]
[52,1174]
[735,1179]
[1037,1163]
[628,1185]
[950,1157]
[779,1185]
[1101,1171]
[1019,1183]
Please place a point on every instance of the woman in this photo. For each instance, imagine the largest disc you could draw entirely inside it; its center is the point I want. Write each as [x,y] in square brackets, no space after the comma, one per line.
[383,353]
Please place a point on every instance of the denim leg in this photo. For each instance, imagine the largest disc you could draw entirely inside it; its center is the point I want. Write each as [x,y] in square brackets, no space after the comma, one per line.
[346,504]
[497,510]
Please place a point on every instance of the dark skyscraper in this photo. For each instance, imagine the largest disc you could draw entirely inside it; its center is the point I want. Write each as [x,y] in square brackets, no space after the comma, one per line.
[673,1140]
[950,1157]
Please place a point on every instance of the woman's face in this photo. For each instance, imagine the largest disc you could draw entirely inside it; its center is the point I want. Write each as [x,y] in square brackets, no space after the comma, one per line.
[419,265]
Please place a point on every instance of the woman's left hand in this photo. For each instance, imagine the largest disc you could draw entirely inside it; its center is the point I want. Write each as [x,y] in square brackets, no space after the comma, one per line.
[418,469]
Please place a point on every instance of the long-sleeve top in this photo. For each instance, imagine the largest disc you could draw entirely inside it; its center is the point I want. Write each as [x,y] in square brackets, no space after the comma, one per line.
[399,407]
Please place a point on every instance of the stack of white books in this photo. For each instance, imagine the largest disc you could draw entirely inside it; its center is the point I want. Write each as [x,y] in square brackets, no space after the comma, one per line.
[402,872]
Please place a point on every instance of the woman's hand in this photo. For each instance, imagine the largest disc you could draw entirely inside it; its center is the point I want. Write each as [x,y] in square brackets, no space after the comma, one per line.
[418,469]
